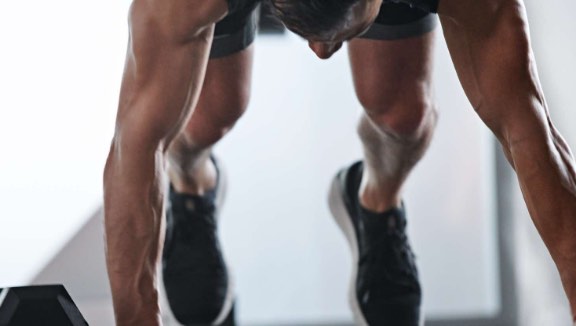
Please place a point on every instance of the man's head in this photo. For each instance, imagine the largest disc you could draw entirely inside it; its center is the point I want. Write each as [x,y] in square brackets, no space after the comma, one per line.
[327,23]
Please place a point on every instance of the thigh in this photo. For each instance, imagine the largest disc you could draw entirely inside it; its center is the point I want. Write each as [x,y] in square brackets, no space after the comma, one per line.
[392,74]
[392,62]
[226,89]
[225,93]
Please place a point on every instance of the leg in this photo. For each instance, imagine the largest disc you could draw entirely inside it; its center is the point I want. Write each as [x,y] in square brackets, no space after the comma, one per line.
[395,90]
[223,100]
[166,61]
[490,47]
[195,275]
[392,77]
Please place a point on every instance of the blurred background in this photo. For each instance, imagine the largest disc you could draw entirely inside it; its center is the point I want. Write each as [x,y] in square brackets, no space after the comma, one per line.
[481,261]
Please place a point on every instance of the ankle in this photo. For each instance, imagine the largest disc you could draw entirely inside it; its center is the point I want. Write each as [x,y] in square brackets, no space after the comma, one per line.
[377,200]
[198,181]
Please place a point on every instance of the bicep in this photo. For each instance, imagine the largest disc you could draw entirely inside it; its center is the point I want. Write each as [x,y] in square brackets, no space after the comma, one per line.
[166,61]
[491,51]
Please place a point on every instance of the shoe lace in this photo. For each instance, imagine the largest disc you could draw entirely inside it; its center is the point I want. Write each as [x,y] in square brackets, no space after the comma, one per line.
[199,214]
[389,251]
[197,225]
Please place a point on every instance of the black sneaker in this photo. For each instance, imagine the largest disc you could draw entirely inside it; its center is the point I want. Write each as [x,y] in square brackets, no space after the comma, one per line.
[385,289]
[196,279]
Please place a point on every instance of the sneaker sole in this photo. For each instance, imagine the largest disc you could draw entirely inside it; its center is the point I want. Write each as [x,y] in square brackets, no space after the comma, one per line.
[221,195]
[340,215]
[343,220]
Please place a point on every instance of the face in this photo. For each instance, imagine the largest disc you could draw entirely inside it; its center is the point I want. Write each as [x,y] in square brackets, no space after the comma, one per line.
[362,17]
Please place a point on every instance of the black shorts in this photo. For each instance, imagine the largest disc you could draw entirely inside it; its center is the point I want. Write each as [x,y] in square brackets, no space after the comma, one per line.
[426,5]
[395,21]
[236,31]
[399,21]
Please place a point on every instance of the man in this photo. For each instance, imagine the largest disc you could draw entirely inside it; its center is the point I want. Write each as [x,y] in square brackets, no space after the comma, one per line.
[176,102]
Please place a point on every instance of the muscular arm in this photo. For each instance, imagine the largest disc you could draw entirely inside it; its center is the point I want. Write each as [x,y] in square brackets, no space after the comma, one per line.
[165,65]
[491,50]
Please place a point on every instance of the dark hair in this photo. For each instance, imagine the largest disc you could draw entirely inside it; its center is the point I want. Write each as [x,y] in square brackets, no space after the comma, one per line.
[313,18]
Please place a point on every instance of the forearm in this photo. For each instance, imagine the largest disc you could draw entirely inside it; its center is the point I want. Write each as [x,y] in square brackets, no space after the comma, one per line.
[133,212]
[546,176]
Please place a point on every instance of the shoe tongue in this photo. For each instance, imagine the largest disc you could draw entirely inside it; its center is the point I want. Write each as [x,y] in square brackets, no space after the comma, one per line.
[388,221]
[193,203]
[385,222]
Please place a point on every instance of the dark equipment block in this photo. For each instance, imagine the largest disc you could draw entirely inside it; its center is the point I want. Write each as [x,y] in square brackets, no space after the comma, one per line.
[48,305]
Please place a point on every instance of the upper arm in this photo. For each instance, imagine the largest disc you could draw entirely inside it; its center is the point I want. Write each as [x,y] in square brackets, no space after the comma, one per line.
[167,55]
[490,48]
[178,20]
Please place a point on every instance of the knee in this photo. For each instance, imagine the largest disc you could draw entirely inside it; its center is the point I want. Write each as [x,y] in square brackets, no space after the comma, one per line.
[404,115]
[215,115]
[228,109]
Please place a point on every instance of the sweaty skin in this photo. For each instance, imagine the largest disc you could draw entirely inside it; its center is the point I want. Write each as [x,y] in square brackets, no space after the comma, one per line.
[223,100]
[393,82]
[165,64]
[490,47]
[165,67]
